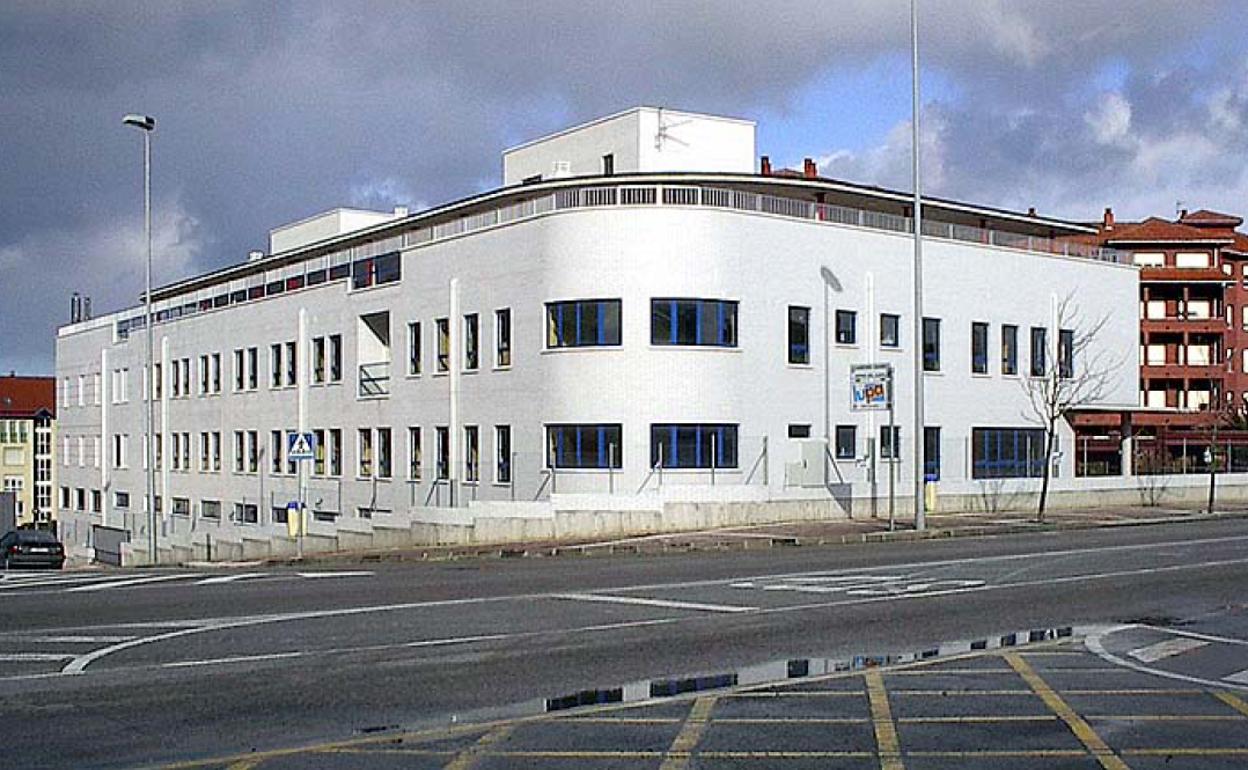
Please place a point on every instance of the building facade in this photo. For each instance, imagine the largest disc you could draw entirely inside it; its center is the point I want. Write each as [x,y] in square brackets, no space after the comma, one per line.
[603,333]
[27,447]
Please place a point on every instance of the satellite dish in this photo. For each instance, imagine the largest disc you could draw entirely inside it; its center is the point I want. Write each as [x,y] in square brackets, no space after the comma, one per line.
[664,132]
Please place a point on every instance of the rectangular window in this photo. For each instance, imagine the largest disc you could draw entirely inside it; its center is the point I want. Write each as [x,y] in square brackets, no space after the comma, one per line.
[216,450]
[846,327]
[318,360]
[587,323]
[931,344]
[240,452]
[1066,353]
[210,509]
[502,337]
[253,451]
[335,358]
[443,469]
[608,164]
[374,271]
[846,442]
[413,453]
[203,375]
[472,453]
[502,454]
[998,453]
[158,378]
[584,446]
[705,322]
[1039,339]
[318,452]
[799,430]
[890,442]
[385,464]
[292,364]
[275,365]
[693,446]
[275,451]
[931,454]
[443,327]
[239,376]
[335,452]
[799,335]
[205,453]
[366,452]
[413,348]
[186,451]
[1009,349]
[121,499]
[979,348]
[472,342]
[253,367]
[890,330]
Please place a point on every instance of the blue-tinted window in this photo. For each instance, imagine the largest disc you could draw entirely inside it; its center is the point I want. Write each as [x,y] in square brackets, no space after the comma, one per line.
[584,446]
[799,335]
[374,271]
[693,446]
[709,322]
[931,454]
[1000,453]
[931,344]
[979,348]
[583,323]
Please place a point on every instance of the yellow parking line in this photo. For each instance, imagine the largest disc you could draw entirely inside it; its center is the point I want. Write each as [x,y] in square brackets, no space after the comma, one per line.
[467,758]
[245,764]
[976,693]
[686,740]
[1082,730]
[786,754]
[1166,717]
[1135,691]
[1188,752]
[798,694]
[985,753]
[1233,700]
[575,754]
[887,743]
[990,718]
[792,720]
[951,672]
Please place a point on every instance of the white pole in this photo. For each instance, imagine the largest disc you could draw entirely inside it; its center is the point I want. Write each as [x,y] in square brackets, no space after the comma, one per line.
[453,364]
[147,326]
[303,375]
[920,518]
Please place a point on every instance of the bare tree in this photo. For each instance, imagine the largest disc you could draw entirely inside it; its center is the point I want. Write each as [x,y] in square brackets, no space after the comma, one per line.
[1074,373]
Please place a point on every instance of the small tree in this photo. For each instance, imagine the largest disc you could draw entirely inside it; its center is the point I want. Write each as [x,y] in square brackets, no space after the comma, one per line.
[1075,374]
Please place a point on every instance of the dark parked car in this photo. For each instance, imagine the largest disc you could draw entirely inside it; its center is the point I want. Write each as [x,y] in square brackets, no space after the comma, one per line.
[31,548]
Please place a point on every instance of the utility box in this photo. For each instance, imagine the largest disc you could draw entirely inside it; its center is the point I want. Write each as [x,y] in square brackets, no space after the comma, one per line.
[809,467]
[8,512]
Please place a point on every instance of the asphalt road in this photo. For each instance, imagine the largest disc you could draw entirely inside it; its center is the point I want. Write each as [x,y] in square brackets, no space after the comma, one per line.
[118,669]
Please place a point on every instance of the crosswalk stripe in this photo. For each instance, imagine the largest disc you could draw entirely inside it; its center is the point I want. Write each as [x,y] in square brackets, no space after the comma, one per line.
[228,578]
[344,573]
[1167,649]
[129,582]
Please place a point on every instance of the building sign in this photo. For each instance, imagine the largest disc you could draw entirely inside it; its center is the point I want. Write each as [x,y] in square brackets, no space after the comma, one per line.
[871,386]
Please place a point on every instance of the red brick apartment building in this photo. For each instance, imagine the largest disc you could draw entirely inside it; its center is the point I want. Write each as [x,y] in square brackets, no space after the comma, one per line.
[1193,343]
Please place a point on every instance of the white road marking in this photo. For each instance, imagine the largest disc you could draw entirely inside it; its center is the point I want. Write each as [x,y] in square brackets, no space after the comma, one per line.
[59,580]
[345,573]
[1167,649]
[1239,677]
[235,659]
[73,639]
[29,657]
[672,605]
[128,582]
[212,581]
[1096,645]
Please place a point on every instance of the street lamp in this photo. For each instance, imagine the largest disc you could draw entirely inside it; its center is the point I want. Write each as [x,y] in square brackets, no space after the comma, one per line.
[920,519]
[147,123]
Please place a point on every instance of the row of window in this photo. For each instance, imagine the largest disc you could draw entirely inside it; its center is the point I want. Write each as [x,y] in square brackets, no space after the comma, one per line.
[471,338]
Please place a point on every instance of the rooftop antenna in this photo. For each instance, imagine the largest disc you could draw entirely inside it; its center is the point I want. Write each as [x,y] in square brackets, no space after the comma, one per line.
[664,132]
[1178,208]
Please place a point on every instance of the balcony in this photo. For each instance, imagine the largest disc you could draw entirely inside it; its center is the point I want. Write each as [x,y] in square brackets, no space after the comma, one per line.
[1175,371]
[1184,325]
[1185,275]
[375,379]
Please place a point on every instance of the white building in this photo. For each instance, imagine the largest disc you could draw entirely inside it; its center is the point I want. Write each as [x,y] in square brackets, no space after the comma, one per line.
[637,316]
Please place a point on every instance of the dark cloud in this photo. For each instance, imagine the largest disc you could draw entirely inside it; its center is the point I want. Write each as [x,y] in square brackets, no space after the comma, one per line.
[270,111]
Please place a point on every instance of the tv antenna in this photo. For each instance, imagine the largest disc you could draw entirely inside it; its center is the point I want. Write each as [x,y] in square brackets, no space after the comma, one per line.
[664,132]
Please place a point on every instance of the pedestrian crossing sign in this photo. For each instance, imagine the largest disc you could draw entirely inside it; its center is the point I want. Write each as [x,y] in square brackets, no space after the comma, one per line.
[301,446]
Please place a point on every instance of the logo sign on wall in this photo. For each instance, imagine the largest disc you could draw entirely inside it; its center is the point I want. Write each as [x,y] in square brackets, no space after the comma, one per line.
[871,386]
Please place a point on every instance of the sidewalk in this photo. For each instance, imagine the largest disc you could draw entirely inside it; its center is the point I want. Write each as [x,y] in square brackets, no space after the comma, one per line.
[840,532]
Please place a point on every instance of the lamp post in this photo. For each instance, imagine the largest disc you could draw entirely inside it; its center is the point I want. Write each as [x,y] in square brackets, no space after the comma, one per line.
[146,124]
[920,518]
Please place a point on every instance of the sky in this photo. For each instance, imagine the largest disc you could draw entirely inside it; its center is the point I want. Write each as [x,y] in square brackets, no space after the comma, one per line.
[271,111]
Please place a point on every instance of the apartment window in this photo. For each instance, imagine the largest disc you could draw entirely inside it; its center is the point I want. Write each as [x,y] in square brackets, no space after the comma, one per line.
[275,361]
[253,367]
[253,451]
[185,370]
[292,364]
[216,450]
[584,446]
[275,451]
[799,430]
[335,452]
[693,446]
[979,348]
[240,451]
[318,453]
[1009,349]
[181,506]
[158,378]
[413,453]
[587,323]
[472,453]
[998,453]
[366,452]
[799,335]
[318,360]
[443,436]
[246,513]
[210,509]
[502,454]
[216,372]
[443,327]
[375,271]
[502,337]
[931,344]
[121,499]
[846,442]
[204,375]
[239,376]
[160,451]
[846,327]
[186,451]
[931,454]
[890,330]
[472,346]
[413,348]
[82,387]
[890,442]
[1066,353]
[608,164]
[1039,339]
[335,358]
[705,322]
[1193,260]
[385,465]
[205,453]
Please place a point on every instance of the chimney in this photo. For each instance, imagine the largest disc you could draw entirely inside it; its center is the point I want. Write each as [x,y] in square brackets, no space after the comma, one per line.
[765,165]
[400,211]
[74,315]
[254,255]
[1108,221]
[86,308]
[1182,215]
[809,169]
[1031,211]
